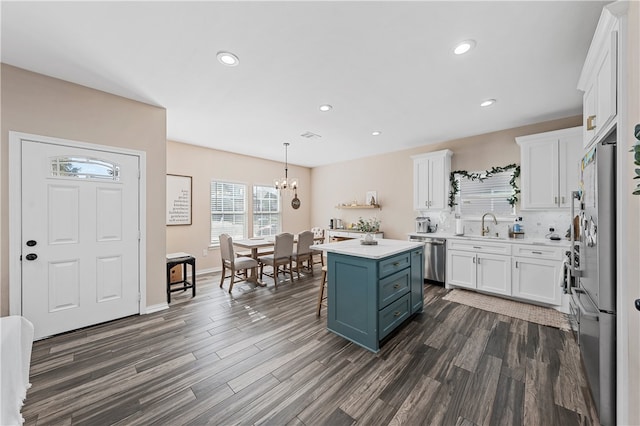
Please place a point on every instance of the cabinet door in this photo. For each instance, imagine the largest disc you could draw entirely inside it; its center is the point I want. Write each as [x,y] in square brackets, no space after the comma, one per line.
[494,273]
[570,154]
[461,268]
[606,87]
[417,280]
[539,174]
[537,279]
[438,188]
[420,184]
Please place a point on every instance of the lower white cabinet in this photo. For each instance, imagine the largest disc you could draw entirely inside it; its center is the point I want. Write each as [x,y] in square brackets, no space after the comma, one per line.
[470,266]
[523,271]
[461,268]
[537,279]
[493,273]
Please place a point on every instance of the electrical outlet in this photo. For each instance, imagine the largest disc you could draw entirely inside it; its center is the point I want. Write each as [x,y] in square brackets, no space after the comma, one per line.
[205,252]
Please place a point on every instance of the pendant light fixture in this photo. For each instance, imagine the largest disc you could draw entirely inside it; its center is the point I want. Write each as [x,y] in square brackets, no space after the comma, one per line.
[286,184]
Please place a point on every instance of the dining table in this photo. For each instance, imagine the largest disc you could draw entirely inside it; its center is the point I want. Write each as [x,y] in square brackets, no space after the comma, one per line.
[256,243]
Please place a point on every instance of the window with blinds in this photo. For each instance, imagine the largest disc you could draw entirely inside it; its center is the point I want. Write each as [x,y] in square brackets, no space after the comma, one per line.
[490,195]
[266,211]
[228,210]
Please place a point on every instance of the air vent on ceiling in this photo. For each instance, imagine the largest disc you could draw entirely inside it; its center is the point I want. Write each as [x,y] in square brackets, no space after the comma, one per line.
[310,135]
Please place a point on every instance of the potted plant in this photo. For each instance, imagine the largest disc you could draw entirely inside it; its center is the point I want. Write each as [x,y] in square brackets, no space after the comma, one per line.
[368,226]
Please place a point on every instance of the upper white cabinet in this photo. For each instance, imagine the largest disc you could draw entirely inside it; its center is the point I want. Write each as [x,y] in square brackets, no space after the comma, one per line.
[549,168]
[599,79]
[431,180]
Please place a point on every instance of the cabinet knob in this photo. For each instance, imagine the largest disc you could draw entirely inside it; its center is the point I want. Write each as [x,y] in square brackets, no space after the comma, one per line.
[591,122]
[396,314]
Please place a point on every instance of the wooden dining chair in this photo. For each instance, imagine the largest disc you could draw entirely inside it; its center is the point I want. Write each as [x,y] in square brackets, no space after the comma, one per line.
[303,251]
[230,262]
[282,253]
[318,238]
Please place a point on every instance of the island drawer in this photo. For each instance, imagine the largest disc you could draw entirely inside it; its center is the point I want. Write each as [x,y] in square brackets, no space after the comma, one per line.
[393,315]
[394,286]
[394,264]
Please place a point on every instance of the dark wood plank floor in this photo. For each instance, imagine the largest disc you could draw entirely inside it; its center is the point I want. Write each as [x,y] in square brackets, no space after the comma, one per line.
[262,357]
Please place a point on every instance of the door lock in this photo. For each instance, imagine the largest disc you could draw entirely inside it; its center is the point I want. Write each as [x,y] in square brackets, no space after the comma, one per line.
[31,256]
[638,304]
[31,243]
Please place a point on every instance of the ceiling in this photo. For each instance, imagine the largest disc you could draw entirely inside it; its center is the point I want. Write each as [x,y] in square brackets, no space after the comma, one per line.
[387,66]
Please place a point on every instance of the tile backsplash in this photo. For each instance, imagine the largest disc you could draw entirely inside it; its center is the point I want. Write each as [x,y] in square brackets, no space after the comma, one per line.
[534,224]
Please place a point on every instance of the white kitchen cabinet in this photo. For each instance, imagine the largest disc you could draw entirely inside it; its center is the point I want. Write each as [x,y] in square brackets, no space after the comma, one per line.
[493,273]
[536,273]
[461,269]
[431,180]
[537,280]
[598,80]
[549,168]
[474,265]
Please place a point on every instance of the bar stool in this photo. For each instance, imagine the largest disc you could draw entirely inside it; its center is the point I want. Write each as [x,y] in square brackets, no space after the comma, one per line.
[321,295]
[183,259]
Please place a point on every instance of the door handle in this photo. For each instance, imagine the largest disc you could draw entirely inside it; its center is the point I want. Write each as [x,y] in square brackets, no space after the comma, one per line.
[31,256]
[637,303]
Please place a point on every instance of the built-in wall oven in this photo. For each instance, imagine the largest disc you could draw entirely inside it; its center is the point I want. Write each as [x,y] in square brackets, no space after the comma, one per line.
[435,254]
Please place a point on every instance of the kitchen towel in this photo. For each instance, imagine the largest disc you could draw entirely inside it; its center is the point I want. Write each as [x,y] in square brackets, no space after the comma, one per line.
[459,227]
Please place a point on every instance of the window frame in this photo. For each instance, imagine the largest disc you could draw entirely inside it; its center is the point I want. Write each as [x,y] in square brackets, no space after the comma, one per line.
[216,242]
[254,213]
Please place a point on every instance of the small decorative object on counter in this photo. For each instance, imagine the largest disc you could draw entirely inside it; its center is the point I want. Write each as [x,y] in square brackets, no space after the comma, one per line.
[368,240]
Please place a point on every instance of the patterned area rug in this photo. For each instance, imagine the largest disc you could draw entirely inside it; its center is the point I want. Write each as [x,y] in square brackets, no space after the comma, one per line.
[511,308]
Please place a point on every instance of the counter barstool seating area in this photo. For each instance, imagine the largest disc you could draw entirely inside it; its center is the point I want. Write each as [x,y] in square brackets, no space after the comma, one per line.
[282,253]
[303,251]
[321,296]
[229,261]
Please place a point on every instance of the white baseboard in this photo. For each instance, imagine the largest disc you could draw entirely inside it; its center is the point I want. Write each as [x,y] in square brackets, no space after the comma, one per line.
[208,271]
[155,308]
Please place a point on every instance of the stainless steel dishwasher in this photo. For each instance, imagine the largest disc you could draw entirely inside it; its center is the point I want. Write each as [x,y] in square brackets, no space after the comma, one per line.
[435,254]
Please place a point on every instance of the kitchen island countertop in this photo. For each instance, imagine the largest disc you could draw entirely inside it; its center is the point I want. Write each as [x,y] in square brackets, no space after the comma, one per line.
[384,248]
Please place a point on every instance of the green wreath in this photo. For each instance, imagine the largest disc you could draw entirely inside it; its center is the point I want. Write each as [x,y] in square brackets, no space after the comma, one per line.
[482,176]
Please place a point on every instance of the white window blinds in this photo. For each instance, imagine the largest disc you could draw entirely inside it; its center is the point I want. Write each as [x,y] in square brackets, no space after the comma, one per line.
[489,195]
[266,211]
[228,210]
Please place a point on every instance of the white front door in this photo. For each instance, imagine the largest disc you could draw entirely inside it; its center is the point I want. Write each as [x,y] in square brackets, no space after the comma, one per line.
[80,236]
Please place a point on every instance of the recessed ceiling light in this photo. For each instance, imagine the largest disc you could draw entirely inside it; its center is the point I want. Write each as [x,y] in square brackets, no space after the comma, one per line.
[464,47]
[228,59]
[488,103]
[376,133]
[325,108]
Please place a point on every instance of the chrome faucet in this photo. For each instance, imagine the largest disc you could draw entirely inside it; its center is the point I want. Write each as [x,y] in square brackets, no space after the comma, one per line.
[485,231]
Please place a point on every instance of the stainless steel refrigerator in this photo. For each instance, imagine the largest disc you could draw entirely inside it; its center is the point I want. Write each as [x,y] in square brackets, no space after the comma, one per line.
[595,295]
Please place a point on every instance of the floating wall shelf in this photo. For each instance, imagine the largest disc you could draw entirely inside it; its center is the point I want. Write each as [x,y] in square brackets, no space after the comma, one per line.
[360,206]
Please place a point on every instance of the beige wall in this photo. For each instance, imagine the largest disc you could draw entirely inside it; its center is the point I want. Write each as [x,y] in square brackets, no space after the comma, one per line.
[391,175]
[34,103]
[205,165]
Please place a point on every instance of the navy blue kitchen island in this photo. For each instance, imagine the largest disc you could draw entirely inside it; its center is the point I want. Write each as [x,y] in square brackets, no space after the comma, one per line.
[372,290]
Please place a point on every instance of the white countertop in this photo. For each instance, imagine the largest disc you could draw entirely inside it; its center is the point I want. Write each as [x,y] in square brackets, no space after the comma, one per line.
[536,241]
[383,249]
